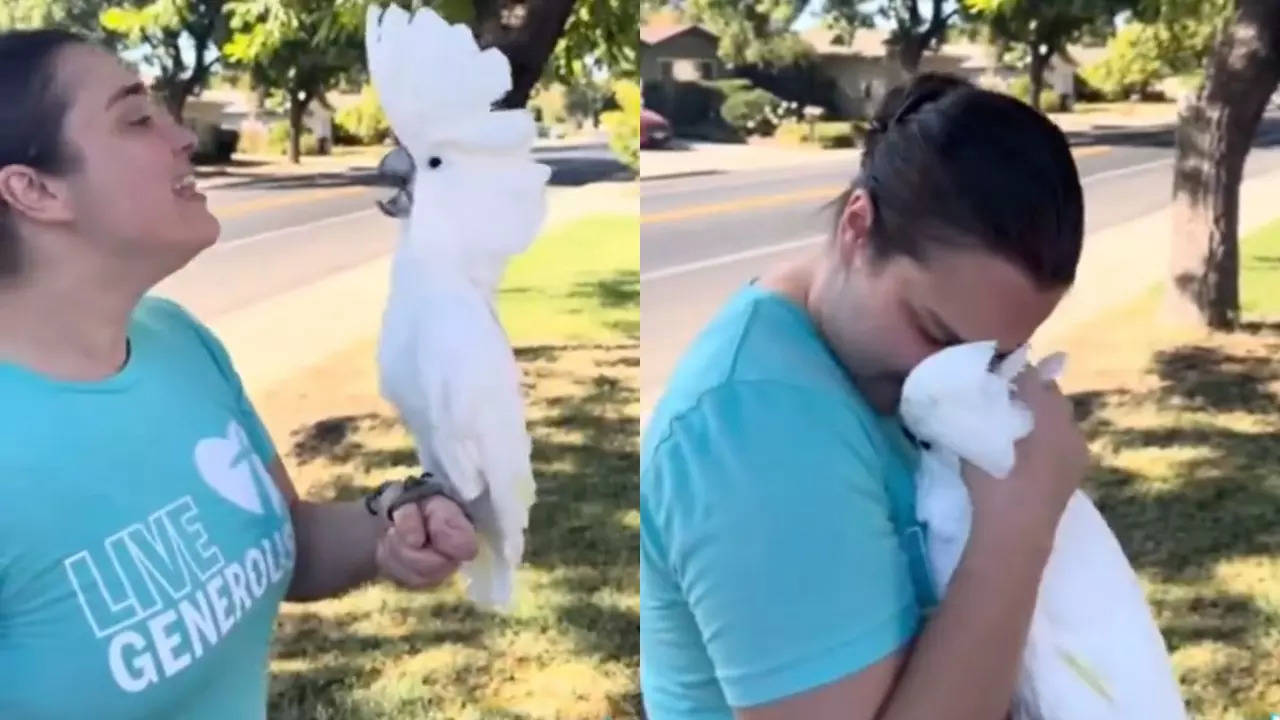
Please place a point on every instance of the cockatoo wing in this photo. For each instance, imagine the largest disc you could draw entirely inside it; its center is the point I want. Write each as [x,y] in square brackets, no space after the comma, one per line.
[477,432]
[1093,650]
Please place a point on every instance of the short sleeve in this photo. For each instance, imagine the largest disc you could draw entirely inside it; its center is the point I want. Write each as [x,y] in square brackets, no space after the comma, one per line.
[259,437]
[772,517]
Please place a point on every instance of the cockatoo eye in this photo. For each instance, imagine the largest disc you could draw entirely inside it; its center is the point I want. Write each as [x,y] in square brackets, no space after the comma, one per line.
[434,162]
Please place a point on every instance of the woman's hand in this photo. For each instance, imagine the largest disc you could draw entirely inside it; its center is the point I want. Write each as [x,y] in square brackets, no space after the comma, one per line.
[1050,463]
[425,543]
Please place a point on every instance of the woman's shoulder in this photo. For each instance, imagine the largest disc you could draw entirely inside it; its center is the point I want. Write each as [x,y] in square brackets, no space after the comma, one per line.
[162,312]
[168,323]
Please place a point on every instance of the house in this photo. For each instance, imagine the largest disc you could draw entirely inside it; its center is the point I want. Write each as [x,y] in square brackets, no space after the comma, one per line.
[865,69]
[679,52]
[241,111]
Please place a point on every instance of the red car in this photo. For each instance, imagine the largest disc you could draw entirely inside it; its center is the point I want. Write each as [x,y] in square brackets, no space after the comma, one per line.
[655,131]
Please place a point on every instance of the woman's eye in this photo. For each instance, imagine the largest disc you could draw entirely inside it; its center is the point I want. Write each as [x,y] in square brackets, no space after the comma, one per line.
[434,162]
[142,121]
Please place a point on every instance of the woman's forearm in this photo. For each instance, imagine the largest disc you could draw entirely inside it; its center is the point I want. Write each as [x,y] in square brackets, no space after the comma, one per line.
[966,660]
[336,544]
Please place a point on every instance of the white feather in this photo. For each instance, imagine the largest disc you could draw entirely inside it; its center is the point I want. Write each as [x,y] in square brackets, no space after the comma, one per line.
[1093,651]
[478,199]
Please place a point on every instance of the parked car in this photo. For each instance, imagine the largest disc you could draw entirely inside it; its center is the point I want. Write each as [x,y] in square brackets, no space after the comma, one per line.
[655,131]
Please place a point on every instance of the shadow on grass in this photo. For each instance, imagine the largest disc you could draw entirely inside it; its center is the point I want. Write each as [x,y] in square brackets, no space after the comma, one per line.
[1208,492]
[1208,378]
[583,419]
[622,289]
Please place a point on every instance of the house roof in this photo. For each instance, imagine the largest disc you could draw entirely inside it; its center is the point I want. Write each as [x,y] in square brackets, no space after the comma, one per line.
[873,43]
[656,33]
[867,42]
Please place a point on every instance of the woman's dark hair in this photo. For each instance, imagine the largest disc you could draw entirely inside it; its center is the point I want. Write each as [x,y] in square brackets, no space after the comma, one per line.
[949,164]
[32,111]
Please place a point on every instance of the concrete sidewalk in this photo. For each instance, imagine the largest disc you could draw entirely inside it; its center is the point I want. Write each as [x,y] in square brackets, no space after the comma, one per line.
[273,340]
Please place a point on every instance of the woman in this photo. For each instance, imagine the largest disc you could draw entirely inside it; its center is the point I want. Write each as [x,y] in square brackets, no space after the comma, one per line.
[782,570]
[148,529]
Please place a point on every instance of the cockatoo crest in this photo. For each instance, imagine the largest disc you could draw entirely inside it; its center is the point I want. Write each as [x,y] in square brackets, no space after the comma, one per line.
[477,196]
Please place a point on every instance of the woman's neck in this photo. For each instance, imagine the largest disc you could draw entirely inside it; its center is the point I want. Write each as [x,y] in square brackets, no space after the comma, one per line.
[793,281]
[68,328]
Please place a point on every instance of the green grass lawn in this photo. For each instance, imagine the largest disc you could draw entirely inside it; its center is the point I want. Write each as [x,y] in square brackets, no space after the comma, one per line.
[571,649]
[1184,429]
[578,282]
[1260,272]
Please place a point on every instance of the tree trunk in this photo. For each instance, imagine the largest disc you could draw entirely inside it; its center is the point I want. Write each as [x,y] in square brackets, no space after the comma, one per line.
[910,50]
[526,31]
[1215,130]
[175,97]
[296,110]
[1039,61]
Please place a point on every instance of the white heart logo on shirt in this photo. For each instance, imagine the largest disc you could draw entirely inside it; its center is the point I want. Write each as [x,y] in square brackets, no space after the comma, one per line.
[231,467]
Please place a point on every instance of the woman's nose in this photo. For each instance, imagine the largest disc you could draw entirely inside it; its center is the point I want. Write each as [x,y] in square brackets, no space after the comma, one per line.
[186,139]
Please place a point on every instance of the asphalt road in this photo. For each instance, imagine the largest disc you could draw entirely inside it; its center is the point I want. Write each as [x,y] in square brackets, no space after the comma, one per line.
[703,237]
[283,232]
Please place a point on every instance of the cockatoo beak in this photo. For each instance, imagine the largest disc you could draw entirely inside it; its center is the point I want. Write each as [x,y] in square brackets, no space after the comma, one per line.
[397,168]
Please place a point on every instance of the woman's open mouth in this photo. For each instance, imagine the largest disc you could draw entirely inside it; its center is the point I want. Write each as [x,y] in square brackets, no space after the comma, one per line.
[185,188]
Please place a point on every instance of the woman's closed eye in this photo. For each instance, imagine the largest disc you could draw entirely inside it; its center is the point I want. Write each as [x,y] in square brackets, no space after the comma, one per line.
[143,121]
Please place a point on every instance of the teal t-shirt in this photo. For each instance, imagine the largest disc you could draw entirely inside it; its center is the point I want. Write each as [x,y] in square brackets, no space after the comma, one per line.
[144,550]
[779,549]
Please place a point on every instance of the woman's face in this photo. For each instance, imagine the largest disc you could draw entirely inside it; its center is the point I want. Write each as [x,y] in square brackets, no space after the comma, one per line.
[132,193]
[883,318]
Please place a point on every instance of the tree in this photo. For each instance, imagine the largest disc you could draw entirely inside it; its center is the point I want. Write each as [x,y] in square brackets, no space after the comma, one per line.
[295,51]
[79,16]
[1136,58]
[546,39]
[599,35]
[913,32]
[752,32]
[1215,130]
[528,31]
[1043,28]
[1164,38]
[161,28]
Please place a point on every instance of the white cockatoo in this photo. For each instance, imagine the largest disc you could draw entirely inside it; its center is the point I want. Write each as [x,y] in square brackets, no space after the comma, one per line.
[1093,650]
[471,198]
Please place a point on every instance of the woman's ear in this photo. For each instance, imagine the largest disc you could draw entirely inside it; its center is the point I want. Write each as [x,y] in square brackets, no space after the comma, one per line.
[29,194]
[853,236]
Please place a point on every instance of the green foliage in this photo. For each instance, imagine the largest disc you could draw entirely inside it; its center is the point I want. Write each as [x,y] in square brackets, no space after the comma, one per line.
[364,122]
[1135,60]
[1050,99]
[752,32]
[729,86]
[278,140]
[297,50]
[623,124]
[159,31]
[752,112]
[550,104]
[77,15]
[599,34]
[829,134]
